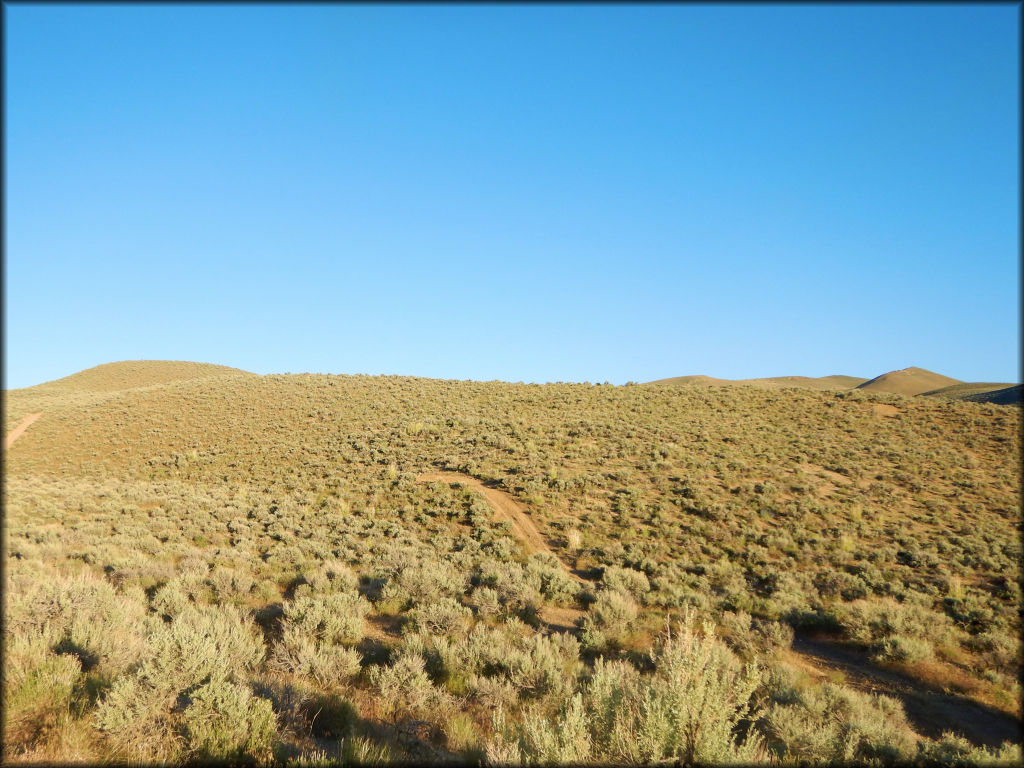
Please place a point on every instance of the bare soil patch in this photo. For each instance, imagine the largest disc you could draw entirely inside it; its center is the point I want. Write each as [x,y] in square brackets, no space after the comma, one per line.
[561,619]
[19,430]
[827,474]
[884,409]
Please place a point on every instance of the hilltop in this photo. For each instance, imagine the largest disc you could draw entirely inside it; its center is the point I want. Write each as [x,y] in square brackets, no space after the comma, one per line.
[130,374]
[908,381]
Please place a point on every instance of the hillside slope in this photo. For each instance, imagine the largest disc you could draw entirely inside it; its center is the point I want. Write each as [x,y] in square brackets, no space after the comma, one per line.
[264,540]
[967,389]
[1013,395]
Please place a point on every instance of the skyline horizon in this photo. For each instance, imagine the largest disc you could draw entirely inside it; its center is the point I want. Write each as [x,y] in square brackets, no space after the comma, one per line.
[596,381]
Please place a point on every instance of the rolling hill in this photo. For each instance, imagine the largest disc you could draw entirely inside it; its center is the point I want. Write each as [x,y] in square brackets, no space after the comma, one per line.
[129,374]
[908,381]
[287,566]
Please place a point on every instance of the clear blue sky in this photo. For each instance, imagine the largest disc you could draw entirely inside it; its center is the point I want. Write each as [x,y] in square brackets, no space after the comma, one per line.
[546,193]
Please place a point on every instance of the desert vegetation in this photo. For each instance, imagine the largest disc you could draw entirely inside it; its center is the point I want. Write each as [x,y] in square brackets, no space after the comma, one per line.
[206,564]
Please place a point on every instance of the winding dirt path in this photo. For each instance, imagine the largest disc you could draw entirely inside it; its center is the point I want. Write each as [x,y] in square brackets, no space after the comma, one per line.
[507,508]
[19,430]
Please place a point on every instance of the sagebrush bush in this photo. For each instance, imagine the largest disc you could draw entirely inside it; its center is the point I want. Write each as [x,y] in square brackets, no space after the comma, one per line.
[511,582]
[224,721]
[333,576]
[609,620]
[200,646]
[38,684]
[837,724]
[420,582]
[443,616]
[547,575]
[135,717]
[302,655]
[690,709]
[631,582]
[954,750]
[404,689]
[894,631]
[542,665]
[485,600]
[202,643]
[83,615]
[334,618]
[538,740]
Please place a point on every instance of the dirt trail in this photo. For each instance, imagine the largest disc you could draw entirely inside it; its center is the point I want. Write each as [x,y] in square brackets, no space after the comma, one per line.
[507,508]
[20,429]
[929,710]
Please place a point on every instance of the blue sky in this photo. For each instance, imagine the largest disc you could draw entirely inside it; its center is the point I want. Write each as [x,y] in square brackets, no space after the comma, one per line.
[526,193]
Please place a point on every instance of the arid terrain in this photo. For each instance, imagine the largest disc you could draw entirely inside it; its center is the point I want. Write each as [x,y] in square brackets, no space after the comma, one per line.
[203,563]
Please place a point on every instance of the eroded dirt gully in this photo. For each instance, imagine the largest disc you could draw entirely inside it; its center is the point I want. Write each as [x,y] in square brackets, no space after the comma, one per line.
[931,711]
[19,430]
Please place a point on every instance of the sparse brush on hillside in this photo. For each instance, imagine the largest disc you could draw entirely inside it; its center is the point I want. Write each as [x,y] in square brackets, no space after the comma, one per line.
[247,569]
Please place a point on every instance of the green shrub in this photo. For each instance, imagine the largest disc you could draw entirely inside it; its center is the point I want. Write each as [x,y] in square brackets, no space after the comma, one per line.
[545,664]
[509,579]
[38,684]
[631,582]
[135,716]
[328,665]
[169,600]
[353,750]
[908,650]
[609,620]
[404,689]
[225,721]
[953,750]
[422,582]
[539,740]
[333,576]
[892,630]
[838,724]
[440,617]
[485,600]
[546,574]
[83,615]
[690,709]
[201,644]
[332,618]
